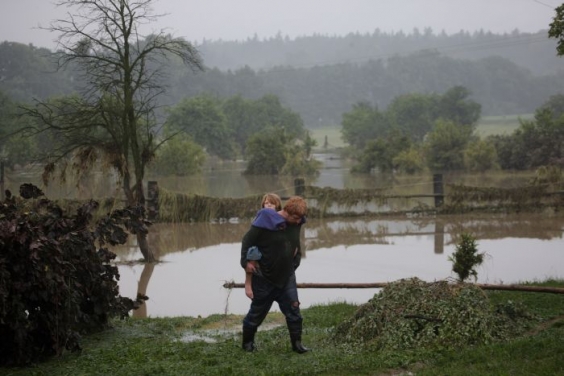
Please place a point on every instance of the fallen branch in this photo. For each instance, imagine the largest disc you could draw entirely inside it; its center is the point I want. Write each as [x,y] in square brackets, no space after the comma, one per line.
[551,290]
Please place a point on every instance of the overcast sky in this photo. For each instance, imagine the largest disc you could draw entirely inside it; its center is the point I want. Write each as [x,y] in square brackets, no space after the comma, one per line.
[240,19]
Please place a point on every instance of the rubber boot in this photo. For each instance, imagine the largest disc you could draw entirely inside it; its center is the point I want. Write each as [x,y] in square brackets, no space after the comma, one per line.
[295,330]
[249,339]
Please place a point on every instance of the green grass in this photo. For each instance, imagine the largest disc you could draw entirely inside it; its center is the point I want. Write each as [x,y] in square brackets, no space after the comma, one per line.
[155,346]
[488,125]
[507,124]
[333,134]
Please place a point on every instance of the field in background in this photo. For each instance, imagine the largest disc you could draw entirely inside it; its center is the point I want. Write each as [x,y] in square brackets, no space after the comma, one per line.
[506,124]
[488,125]
[333,134]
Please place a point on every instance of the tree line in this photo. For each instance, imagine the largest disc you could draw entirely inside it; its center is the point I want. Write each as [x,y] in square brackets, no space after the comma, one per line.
[532,51]
[436,132]
[320,92]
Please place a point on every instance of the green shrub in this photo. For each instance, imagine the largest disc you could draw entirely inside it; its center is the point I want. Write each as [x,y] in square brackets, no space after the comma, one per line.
[466,258]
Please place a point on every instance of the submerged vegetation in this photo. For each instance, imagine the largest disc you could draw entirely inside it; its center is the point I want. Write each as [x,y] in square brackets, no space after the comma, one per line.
[327,202]
[178,207]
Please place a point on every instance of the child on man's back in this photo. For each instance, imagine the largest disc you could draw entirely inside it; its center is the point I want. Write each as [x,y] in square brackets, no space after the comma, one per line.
[269,201]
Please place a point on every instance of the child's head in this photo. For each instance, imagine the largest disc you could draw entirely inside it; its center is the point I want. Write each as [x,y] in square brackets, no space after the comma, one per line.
[271,201]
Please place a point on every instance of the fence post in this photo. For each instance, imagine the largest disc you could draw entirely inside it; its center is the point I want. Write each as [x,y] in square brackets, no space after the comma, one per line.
[438,190]
[2,181]
[152,200]
[439,236]
[299,187]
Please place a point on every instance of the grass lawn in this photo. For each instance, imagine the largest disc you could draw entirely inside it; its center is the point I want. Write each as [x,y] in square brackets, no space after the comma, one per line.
[488,125]
[211,346]
[507,124]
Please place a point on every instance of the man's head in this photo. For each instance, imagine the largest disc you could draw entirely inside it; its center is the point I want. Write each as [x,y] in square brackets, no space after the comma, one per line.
[295,209]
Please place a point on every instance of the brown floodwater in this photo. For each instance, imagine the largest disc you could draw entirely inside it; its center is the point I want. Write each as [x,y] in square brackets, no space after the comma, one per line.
[197,259]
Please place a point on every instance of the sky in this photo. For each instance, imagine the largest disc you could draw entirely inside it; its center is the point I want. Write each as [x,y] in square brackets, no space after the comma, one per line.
[241,19]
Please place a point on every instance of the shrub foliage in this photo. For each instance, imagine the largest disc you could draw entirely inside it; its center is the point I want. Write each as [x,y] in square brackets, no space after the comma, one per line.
[466,258]
[55,284]
[412,314]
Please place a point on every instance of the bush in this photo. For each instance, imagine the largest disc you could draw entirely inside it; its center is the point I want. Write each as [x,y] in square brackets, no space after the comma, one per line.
[54,283]
[466,258]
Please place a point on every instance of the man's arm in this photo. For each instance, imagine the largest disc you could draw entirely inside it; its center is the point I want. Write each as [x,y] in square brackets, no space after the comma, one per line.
[296,245]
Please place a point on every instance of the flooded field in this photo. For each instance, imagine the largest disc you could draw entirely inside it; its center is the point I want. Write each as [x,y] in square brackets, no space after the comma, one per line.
[197,259]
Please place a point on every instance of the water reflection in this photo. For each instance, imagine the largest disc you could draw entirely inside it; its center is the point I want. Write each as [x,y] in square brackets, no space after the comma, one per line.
[225,179]
[198,258]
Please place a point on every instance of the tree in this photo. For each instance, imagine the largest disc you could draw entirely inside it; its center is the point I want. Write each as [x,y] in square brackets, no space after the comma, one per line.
[241,120]
[481,155]
[7,120]
[542,139]
[556,105]
[266,152]
[14,148]
[445,146]
[362,124]
[409,161]
[556,29]
[180,156]
[414,114]
[29,72]
[299,161]
[381,153]
[113,117]
[246,118]
[201,117]
[535,143]
[453,105]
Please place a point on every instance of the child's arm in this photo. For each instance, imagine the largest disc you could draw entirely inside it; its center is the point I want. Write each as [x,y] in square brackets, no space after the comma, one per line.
[249,239]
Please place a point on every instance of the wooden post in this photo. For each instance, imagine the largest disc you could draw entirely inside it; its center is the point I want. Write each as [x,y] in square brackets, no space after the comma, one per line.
[152,200]
[299,187]
[439,236]
[438,190]
[2,197]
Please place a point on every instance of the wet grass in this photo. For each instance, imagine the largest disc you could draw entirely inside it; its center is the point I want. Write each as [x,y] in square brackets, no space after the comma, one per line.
[211,346]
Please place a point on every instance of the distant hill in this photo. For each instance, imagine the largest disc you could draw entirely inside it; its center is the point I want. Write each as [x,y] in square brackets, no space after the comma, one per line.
[533,51]
[321,77]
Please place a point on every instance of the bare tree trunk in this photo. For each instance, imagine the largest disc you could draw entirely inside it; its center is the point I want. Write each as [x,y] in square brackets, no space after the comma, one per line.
[142,289]
[132,200]
[146,251]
